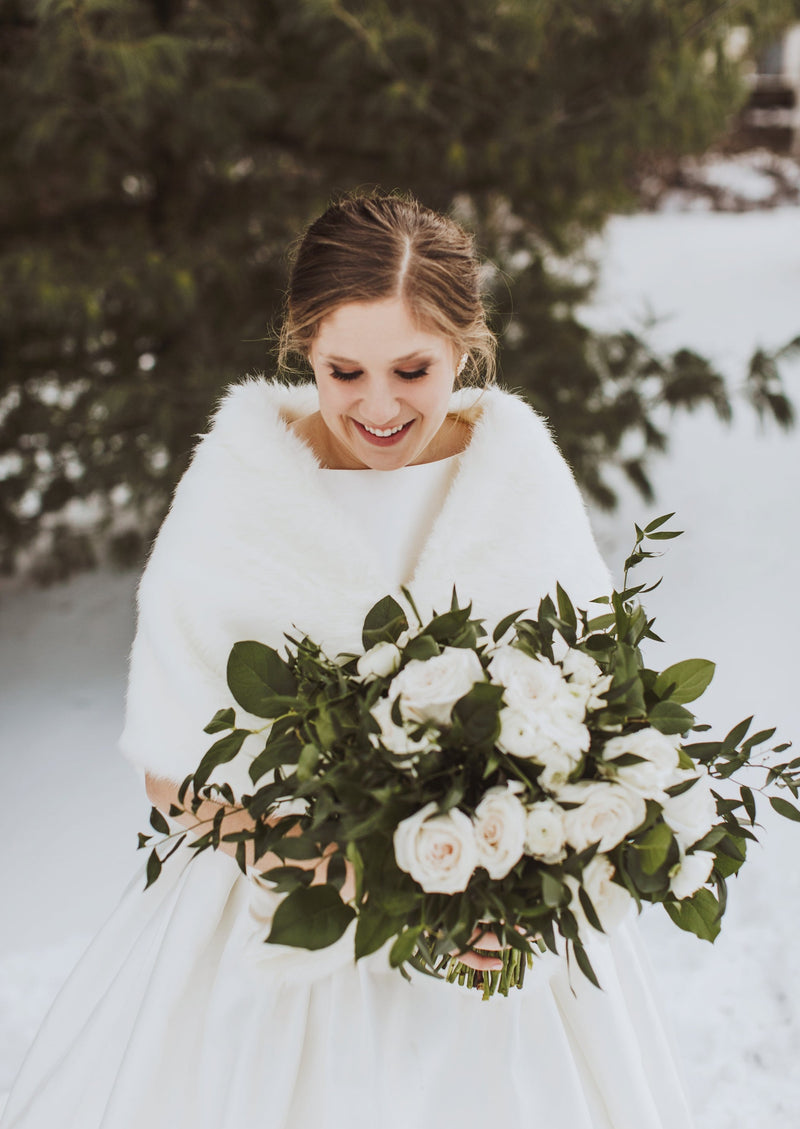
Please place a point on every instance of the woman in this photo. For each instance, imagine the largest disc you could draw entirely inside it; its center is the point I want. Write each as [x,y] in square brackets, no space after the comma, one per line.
[302,506]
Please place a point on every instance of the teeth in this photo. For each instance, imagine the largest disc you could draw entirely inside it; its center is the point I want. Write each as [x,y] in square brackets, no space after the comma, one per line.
[383,434]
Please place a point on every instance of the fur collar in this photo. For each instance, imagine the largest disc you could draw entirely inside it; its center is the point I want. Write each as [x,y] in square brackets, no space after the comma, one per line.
[252,547]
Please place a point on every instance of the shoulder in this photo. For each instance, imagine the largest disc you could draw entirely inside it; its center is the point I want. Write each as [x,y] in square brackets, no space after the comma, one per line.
[507,428]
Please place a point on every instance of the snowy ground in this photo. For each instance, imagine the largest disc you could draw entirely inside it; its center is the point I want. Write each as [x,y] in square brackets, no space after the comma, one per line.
[723,283]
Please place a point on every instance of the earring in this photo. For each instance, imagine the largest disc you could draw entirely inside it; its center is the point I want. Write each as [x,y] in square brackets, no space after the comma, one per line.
[462,363]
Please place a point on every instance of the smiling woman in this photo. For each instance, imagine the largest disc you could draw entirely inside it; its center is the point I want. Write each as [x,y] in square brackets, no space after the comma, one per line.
[302,507]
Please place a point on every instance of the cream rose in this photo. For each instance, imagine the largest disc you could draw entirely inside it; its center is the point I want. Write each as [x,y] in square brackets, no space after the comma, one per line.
[499,825]
[545,832]
[692,872]
[396,738]
[530,681]
[605,815]
[654,772]
[693,813]
[587,683]
[379,661]
[429,688]
[438,851]
[610,900]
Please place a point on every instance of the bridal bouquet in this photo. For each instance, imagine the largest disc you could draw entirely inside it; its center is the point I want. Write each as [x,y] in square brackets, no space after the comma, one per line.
[536,783]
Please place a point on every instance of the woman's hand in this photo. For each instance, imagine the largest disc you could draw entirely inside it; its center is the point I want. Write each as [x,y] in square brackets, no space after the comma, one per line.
[483,940]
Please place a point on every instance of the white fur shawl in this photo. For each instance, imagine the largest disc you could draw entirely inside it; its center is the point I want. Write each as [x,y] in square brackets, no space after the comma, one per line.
[253,546]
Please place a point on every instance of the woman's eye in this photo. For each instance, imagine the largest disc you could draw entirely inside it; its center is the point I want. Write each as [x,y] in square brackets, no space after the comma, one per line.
[415,375]
[339,375]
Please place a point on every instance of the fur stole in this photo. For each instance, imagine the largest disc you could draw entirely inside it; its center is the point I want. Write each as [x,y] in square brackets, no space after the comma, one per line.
[252,547]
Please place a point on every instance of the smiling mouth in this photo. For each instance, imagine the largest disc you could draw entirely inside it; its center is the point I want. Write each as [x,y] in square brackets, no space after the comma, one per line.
[384,433]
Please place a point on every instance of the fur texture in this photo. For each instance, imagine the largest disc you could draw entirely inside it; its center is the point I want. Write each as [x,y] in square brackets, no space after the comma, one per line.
[252,547]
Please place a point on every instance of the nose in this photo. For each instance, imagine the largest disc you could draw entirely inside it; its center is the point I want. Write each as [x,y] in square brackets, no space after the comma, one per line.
[379,405]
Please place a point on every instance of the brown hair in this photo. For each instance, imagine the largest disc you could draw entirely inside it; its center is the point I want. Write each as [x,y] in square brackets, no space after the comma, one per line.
[367,247]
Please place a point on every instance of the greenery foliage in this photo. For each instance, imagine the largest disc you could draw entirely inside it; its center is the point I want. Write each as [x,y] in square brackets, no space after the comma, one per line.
[328,742]
[160,155]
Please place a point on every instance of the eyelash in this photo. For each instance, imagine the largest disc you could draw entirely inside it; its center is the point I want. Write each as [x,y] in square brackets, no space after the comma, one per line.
[339,375]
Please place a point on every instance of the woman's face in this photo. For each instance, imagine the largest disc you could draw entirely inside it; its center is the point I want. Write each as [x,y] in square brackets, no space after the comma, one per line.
[377,371]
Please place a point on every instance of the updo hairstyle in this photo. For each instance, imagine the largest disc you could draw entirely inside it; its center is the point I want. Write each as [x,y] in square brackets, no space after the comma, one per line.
[365,248]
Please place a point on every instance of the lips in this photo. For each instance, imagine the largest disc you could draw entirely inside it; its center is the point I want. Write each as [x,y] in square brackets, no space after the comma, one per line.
[383,440]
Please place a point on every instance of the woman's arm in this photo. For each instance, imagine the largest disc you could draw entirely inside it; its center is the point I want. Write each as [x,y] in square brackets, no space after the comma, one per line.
[163,793]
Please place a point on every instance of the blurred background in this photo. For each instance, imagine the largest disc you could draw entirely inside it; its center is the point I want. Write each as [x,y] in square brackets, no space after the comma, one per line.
[631,170]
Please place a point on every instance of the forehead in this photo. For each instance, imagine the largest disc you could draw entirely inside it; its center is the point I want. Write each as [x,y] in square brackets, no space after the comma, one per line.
[383,328]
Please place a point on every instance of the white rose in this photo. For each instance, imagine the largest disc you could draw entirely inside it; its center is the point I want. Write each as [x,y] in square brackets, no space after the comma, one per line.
[540,734]
[439,852]
[499,824]
[396,738]
[429,688]
[692,872]
[693,813]
[526,679]
[586,680]
[654,772]
[379,661]
[545,832]
[605,815]
[610,900]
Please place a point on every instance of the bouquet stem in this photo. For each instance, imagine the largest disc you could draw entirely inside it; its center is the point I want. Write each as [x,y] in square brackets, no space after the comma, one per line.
[497,981]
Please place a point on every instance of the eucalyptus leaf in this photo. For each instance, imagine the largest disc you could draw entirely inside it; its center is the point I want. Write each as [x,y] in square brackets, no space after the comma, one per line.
[373,929]
[383,623]
[689,680]
[310,917]
[404,946]
[670,718]
[699,914]
[221,752]
[222,719]
[158,822]
[785,808]
[256,675]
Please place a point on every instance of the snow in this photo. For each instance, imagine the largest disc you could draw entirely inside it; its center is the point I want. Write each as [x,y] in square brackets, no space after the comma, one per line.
[720,283]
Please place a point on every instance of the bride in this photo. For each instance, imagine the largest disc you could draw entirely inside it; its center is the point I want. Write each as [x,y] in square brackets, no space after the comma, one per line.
[401,463]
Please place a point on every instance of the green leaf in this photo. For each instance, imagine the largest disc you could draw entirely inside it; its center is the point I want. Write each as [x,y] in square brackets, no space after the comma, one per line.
[504,625]
[654,848]
[699,914]
[736,735]
[284,751]
[220,752]
[287,878]
[309,758]
[404,946]
[565,607]
[690,679]
[784,808]
[553,889]
[478,713]
[669,717]
[153,868]
[421,647]
[657,522]
[222,719]
[257,675]
[584,964]
[158,822]
[143,840]
[373,929]
[311,917]
[384,623]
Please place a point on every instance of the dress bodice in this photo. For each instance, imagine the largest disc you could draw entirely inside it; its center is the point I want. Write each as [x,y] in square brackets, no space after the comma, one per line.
[395,509]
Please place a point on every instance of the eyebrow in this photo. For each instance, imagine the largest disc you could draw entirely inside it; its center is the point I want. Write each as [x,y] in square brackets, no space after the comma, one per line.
[396,361]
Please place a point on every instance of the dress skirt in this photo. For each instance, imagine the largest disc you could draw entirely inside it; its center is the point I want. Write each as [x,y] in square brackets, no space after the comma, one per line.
[177,1015]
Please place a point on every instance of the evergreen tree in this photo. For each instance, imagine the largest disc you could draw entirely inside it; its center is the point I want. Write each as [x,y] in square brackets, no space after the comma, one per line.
[160,155]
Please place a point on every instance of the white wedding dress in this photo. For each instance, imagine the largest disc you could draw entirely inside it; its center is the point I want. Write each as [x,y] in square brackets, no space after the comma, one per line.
[173,1018]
